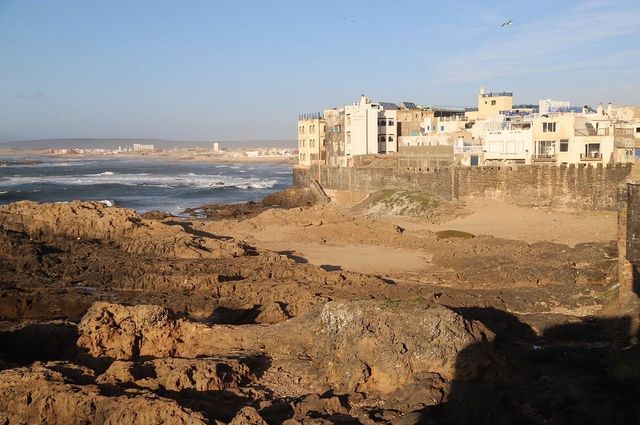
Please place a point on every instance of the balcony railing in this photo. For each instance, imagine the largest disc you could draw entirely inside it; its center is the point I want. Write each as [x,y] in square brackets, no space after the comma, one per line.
[468,149]
[544,157]
[498,94]
[591,156]
[592,132]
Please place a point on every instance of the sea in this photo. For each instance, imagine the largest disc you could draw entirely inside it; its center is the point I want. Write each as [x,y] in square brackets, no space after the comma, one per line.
[140,184]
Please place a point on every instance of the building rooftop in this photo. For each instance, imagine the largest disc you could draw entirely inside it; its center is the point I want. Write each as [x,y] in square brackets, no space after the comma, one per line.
[409,105]
[389,106]
[497,94]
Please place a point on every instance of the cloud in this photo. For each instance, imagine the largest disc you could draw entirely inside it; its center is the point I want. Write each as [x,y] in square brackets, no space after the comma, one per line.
[35,94]
[580,36]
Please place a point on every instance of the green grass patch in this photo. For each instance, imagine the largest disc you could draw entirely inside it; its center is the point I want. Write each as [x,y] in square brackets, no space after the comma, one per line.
[416,203]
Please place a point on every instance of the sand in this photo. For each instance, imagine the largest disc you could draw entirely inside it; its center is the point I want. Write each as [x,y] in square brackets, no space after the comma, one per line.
[505,220]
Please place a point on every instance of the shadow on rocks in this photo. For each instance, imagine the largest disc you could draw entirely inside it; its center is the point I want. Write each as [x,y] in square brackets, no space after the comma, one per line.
[582,373]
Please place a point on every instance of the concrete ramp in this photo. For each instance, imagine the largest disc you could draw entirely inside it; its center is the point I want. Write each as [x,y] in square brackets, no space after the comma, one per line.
[318,192]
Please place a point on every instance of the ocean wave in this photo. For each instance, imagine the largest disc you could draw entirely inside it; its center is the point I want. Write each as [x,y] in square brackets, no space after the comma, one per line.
[108,203]
[258,185]
[144,179]
[106,173]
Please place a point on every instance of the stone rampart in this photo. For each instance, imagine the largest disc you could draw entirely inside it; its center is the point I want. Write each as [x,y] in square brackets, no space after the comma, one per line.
[562,187]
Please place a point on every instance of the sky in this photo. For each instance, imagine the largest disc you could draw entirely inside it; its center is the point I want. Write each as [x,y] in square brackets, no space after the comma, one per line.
[244,70]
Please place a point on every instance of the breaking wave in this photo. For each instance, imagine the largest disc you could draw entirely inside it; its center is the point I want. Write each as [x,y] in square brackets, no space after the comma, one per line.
[141,184]
[145,179]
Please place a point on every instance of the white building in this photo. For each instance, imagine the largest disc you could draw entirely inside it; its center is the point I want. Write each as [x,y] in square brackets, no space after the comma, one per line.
[370,128]
[388,129]
[137,147]
[507,141]
[361,127]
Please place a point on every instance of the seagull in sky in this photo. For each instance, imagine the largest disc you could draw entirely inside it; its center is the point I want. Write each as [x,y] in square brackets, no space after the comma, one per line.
[506,24]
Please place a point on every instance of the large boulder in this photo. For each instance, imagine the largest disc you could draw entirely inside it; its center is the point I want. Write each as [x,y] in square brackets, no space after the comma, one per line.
[130,332]
[380,346]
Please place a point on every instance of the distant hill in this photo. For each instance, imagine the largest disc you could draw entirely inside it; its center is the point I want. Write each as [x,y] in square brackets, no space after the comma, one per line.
[87,143]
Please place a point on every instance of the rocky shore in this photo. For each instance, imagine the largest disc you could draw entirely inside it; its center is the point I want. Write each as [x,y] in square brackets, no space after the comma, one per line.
[234,316]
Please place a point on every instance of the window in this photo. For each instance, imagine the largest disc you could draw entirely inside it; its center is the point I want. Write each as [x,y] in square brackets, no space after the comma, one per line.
[564,145]
[390,139]
[548,127]
[381,138]
[442,128]
[637,130]
[493,103]
[348,138]
[337,129]
[382,122]
[391,123]
[545,148]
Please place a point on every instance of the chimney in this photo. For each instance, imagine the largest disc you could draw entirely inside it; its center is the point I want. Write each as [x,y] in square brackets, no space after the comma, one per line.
[481,91]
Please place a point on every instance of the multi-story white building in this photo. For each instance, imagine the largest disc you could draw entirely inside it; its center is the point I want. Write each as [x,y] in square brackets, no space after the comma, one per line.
[507,141]
[572,138]
[370,128]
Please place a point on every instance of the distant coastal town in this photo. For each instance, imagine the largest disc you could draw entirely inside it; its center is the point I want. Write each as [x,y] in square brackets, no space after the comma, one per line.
[215,152]
[495,131]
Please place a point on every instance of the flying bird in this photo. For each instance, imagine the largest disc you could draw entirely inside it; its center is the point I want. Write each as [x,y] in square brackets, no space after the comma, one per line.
[506,24]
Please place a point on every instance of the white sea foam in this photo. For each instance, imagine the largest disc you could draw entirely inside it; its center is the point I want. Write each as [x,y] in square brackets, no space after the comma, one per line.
[108,203]
[145,179]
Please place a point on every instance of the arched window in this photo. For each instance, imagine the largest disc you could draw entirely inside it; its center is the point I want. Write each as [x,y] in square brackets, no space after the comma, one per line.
[390,138]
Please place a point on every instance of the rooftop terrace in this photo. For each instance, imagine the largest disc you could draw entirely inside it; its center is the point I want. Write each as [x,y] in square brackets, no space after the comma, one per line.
[497,94]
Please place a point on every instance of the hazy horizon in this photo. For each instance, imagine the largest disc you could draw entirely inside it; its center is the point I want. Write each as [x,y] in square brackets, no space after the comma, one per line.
[126,142]
[244,70]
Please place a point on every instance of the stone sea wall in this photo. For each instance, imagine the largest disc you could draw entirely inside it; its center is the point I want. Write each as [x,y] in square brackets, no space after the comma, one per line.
[563,187]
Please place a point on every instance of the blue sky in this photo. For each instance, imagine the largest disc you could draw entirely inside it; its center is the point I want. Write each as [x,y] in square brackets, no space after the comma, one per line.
[244,70]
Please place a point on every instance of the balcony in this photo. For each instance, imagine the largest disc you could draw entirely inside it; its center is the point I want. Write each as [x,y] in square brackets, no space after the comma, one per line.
[544,157]
[591,131]
[591,156]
